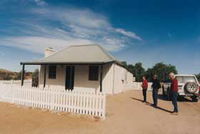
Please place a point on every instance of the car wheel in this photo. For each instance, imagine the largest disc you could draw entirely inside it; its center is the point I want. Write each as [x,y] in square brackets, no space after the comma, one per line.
[194,99]
[191,87]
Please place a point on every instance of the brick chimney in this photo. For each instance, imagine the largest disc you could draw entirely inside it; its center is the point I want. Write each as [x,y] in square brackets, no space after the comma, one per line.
[49,51]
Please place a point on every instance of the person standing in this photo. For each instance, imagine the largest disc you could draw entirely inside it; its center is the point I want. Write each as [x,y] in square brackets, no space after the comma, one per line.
[144,88]
[174,92]
[155,86]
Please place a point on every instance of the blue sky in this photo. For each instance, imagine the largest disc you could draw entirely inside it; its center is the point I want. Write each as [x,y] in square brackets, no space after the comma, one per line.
[147,31]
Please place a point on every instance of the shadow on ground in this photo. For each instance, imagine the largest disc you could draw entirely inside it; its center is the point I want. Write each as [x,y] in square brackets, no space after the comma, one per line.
[180,99]
[162,109]
[136,99]
[159,108]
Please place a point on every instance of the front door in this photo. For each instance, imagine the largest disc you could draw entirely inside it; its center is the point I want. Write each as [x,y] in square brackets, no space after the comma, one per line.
[69,78]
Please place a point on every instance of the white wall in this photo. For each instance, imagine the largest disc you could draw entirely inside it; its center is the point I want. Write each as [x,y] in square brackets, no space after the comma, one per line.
[123,79]
[58,82]
[108,78]
[115,79]
[81,81]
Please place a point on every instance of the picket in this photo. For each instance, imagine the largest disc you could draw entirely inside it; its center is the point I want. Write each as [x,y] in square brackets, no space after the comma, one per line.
[79,102]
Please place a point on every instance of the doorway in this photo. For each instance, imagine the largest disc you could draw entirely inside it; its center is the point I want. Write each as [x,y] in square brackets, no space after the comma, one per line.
[69,78]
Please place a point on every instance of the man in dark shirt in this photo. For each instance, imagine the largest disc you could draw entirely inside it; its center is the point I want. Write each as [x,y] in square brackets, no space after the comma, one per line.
[155,86]
[174,92]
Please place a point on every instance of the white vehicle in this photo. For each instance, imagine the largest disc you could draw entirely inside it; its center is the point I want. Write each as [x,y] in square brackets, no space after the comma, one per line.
[188,86]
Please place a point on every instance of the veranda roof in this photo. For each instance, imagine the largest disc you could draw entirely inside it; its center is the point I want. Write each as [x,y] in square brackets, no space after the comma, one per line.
[77,54]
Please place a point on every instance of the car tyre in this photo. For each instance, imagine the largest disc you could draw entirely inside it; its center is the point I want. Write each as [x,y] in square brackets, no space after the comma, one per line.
[191,87]
[194,99]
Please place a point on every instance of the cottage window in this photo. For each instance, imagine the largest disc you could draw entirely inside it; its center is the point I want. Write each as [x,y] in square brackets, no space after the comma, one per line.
[93,73]
[52,72]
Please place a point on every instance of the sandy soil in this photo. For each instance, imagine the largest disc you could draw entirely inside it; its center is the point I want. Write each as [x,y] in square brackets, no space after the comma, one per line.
[126,114]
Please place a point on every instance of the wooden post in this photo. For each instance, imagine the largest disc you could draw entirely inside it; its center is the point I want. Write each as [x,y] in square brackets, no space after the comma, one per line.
[22,75]
[45,70]
[101,75]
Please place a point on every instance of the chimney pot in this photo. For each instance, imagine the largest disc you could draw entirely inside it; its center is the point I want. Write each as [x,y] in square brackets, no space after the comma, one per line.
[49,51]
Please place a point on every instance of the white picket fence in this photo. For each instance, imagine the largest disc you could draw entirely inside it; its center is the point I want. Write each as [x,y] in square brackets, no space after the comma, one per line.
[87,103]
[17,82]
[27,83]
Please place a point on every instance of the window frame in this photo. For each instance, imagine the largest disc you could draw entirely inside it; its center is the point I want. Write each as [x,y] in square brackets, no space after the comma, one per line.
[93,73]
[52,71]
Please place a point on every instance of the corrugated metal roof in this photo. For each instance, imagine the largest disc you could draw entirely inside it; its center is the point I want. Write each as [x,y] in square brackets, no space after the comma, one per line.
[82,54]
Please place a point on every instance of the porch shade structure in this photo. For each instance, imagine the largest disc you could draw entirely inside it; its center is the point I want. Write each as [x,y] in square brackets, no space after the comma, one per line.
[76,55]
[22,74]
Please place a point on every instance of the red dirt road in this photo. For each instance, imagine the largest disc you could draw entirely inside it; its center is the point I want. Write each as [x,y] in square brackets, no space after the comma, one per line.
[126,114]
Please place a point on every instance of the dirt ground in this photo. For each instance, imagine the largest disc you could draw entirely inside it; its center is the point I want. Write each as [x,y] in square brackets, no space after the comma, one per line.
[126,114]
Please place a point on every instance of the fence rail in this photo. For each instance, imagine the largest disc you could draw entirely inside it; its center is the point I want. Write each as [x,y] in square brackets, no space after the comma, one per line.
[15,82]
[80,102]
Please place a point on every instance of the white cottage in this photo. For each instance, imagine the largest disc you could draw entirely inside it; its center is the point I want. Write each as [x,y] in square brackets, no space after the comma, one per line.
[82,67]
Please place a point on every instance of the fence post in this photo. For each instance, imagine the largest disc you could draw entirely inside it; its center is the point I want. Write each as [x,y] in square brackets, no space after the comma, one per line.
[104,106]
[12,92]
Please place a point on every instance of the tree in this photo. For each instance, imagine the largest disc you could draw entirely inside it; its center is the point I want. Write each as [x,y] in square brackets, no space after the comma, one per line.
[161,70]
[131,68]
[124,63]
[137,70]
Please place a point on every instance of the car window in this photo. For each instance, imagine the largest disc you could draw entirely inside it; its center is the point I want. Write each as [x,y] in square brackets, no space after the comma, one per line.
[180,79]
[189,79]
[184,79]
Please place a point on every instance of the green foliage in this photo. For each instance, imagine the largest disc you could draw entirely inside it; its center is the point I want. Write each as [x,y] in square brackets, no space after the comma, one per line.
[124,63]
[131,68]
[137,70]
[161,70]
